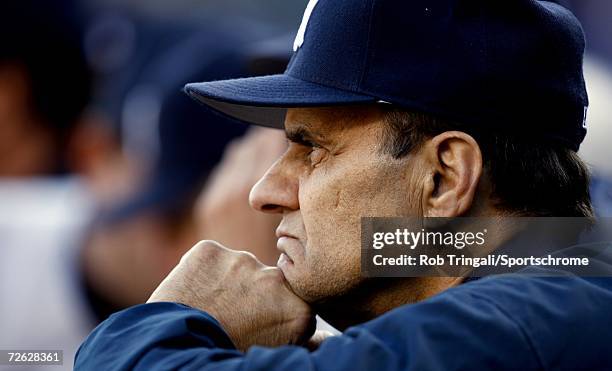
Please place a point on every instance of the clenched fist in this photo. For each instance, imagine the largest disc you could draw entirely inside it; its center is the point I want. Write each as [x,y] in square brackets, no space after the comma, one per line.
[252,301]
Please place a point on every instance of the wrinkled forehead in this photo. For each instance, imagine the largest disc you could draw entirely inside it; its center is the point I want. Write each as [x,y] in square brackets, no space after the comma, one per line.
[333,120]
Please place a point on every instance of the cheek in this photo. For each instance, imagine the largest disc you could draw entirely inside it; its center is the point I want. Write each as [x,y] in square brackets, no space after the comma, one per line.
[340,197]
[331,219]
[332,202]
[331,262]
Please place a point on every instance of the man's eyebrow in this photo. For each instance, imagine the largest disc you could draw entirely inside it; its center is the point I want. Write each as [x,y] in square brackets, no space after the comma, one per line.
[301,135]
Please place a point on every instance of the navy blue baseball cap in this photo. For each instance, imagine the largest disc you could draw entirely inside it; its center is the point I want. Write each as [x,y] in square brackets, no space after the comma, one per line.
[513,65]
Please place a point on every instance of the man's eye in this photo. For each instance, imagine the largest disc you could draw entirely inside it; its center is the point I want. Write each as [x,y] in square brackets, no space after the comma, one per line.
[316,155]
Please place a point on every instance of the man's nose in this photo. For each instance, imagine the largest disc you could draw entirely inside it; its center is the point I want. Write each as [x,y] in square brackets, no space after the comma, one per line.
[276,191]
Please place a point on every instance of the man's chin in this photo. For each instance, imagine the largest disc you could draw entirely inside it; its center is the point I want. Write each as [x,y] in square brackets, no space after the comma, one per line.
[325,291]
[299,283]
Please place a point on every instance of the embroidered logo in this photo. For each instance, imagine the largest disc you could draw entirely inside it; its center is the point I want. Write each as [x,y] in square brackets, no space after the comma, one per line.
[299,38]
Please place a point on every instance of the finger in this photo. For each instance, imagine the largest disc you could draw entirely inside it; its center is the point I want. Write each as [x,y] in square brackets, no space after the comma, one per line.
[206,250]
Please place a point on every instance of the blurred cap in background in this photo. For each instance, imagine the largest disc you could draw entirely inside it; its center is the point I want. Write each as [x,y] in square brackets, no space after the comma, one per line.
[177,141]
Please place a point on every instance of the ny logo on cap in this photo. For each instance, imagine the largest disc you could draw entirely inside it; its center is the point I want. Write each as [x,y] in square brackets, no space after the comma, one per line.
[299,38]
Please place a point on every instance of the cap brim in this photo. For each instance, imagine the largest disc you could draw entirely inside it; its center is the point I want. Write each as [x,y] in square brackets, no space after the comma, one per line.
[264,100]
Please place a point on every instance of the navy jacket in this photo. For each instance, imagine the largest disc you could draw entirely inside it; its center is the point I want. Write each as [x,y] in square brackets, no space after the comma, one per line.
[507,322]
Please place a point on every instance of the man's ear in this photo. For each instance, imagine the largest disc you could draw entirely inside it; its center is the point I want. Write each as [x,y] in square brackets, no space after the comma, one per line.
[455,162]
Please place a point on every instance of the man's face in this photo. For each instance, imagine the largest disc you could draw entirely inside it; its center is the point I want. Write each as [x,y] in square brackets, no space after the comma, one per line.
[332,174]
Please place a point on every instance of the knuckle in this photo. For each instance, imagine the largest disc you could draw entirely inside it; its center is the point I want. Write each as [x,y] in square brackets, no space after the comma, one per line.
[241,263]
[207,249]
[209,244]
[247,255]
[246,259]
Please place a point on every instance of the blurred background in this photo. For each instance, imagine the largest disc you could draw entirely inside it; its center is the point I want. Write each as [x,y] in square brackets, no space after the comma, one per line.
[109,173]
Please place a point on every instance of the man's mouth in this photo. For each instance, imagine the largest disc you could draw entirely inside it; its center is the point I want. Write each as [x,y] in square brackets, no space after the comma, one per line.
[284,245]
[284,261]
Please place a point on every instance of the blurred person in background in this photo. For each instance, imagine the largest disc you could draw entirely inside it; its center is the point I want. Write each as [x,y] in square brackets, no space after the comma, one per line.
[40,53]
[223,207]
[142,168]
[137,238]
[118,45]
[44,88]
